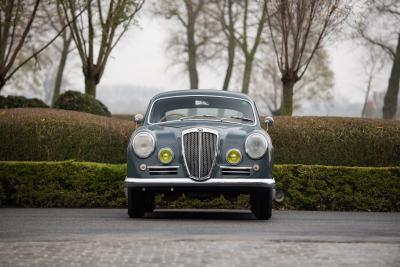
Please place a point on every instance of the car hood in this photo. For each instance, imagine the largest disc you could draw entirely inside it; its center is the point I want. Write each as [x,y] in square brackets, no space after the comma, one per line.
[227,131]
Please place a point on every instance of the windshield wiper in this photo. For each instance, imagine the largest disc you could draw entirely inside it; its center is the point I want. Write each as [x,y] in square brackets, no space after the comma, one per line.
[199,116]
[213,116]
[241,118]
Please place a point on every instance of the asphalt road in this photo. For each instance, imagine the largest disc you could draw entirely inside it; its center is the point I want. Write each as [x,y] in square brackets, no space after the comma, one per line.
[107,237]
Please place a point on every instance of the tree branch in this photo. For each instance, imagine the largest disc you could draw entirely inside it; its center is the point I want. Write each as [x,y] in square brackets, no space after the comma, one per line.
[23,37]
[387,49]
[40,50]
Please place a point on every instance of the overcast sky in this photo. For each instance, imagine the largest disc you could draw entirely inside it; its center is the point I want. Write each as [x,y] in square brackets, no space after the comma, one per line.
[140,60]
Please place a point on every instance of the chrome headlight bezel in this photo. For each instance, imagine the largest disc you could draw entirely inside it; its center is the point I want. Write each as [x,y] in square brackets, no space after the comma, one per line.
[151,145]
[260,143]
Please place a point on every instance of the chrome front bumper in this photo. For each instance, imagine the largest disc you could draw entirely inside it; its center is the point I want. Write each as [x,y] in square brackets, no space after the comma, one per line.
[210,183]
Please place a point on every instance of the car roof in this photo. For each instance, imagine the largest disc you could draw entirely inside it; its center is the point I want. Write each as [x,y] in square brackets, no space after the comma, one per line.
[202,92]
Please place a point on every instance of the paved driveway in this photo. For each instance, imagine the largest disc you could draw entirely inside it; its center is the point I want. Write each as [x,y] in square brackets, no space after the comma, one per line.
[107,237]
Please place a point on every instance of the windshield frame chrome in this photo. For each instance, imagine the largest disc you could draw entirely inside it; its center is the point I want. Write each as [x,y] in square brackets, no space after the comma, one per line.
[255,122]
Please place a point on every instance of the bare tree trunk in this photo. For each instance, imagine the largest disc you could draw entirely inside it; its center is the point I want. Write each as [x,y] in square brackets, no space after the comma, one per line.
[247,75]
[192,62]
[60,70]
[287,98]
[364,109]
[90,85]
[229,68]
[391,96]
[231,46]
[96,35]
[2,81]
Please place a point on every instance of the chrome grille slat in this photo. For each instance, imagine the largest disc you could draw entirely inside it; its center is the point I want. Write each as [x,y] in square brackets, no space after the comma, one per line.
[200,151]
[238,171]
[160,170]
[163,171]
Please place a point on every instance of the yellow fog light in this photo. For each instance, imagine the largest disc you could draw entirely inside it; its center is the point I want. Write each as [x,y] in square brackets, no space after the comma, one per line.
[233,156]
[165,155]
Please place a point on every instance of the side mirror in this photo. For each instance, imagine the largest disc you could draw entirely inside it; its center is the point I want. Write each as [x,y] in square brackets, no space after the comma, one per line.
[138,118]
[269,121]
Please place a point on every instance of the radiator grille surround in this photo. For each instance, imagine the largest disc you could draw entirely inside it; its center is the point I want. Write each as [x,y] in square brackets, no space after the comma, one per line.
[200,149]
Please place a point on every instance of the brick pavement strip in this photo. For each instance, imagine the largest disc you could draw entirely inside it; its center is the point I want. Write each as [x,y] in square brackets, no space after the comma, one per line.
[190,252]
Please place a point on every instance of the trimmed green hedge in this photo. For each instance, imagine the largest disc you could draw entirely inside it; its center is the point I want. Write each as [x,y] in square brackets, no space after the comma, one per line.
[62,184]
[336,141]
[79,184]
[313,187]
[2,196]
[50,134]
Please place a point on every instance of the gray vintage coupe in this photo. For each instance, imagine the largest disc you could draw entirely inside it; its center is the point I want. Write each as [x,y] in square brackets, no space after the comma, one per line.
[201,143]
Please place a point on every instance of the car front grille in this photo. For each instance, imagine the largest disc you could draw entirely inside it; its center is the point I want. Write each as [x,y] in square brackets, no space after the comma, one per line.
[199,151]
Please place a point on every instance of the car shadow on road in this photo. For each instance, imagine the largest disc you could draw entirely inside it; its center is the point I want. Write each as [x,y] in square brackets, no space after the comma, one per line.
[201,214]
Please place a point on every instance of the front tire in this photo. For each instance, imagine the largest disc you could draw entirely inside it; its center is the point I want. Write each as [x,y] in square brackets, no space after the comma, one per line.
[136,203]
[150,203]
[261,204]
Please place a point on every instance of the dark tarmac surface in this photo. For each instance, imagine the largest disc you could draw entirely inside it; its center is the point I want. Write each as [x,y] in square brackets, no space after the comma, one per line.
[108,237]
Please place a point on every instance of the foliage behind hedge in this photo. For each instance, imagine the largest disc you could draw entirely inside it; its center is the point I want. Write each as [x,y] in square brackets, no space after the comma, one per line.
[21,102]
[47,134]
[76,184]
[73,100]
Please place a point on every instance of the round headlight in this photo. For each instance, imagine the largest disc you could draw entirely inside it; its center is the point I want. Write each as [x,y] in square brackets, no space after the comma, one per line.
[165,155]
[143,144]
[233,156]
[256,145]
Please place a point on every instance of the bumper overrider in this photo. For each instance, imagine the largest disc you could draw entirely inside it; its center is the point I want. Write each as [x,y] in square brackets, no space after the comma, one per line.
[218,184]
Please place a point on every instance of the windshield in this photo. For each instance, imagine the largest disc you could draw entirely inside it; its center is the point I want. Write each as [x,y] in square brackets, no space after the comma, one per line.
[202,108]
